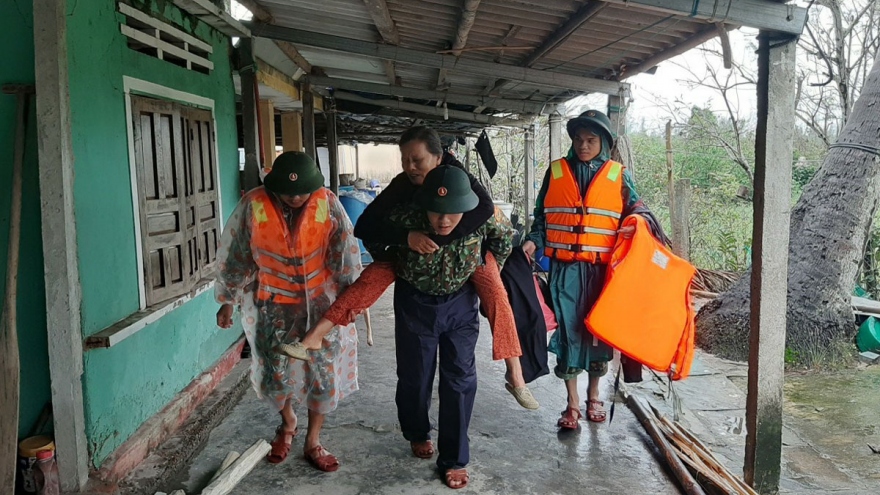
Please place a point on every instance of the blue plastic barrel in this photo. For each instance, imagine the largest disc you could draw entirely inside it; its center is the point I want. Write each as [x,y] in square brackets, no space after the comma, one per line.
[354,208]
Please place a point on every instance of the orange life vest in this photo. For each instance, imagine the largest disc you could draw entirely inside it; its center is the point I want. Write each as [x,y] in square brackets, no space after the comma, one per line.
[644,309]
[583,227]
[291,264]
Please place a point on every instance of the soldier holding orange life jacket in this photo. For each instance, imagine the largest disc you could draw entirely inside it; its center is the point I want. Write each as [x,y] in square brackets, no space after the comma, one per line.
[577,216]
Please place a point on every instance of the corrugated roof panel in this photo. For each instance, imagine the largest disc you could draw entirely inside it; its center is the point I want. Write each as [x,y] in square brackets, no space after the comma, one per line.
[331,59]
[617,34]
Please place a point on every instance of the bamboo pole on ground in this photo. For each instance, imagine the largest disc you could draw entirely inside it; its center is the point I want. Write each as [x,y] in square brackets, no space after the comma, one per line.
[674,439]
[688,483]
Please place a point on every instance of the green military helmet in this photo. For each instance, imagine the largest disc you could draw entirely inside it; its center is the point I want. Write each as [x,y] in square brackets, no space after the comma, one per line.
[294,173]
[591,120]
[447,189]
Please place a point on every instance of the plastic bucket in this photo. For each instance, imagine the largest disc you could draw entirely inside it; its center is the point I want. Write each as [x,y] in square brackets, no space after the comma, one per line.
[868,338]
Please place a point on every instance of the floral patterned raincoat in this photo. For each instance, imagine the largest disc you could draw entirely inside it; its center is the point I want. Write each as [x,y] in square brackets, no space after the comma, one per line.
[331,374]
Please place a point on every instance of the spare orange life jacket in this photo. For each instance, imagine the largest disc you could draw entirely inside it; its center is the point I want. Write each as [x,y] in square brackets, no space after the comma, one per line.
[644,309]
[583,227]
[291,265]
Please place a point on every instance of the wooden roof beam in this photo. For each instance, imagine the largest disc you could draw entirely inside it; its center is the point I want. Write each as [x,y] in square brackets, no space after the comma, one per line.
[468,16]
[465,23]
[277,80]
[761,14]
[260,12]
[391,73]
[694,41]
[508,105]
[382,19]
[435,112]
[387,30]
[213,16]
[294,55]
[263,14]
[511,33]
[437,61]
[559,35]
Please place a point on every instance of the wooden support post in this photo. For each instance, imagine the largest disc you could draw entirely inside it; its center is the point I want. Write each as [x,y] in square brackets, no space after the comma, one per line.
[309,122]
[267,132]
[681,232]
[250,128]
[529,177]
[556,139]
[769,282]
[291,131]
[333,148]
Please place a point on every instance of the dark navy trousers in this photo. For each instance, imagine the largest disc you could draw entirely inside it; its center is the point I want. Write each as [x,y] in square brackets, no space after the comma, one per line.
[424,325]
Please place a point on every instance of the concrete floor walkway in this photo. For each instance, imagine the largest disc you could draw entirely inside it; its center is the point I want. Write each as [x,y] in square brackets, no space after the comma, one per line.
[513,451]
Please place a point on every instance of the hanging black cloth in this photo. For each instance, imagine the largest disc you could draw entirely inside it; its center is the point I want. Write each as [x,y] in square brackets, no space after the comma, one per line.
[517,278]
[484,149]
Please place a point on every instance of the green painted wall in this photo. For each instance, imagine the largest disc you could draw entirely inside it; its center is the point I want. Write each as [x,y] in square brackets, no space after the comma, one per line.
[128,383]
[16,29]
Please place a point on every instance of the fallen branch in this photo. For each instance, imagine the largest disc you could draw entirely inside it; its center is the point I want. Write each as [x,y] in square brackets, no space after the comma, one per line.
[716,281]
[704,294]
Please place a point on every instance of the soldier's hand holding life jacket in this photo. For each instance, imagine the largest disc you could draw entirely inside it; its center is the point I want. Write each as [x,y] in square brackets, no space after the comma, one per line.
[529,248]
[421,243]
[627,232]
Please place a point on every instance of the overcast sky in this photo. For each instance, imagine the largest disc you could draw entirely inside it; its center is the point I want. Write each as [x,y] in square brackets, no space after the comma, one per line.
[653,95]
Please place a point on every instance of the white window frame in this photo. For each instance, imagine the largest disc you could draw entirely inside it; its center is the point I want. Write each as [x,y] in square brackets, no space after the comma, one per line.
[149,89]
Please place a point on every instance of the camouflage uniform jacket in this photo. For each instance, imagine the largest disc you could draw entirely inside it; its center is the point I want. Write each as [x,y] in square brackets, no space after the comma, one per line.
[446,270]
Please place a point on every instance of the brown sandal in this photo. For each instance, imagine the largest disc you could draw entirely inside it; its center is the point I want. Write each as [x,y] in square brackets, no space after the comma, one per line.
[422,450]
[569,419]
[321,459]
[280,444]
[457,478]
[595,413]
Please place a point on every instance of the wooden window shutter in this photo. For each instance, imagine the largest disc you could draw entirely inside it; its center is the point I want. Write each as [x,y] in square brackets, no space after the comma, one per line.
[159,161]
[203,199]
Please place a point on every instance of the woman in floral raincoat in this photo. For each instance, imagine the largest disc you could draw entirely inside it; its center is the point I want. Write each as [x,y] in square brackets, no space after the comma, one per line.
[285,254]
